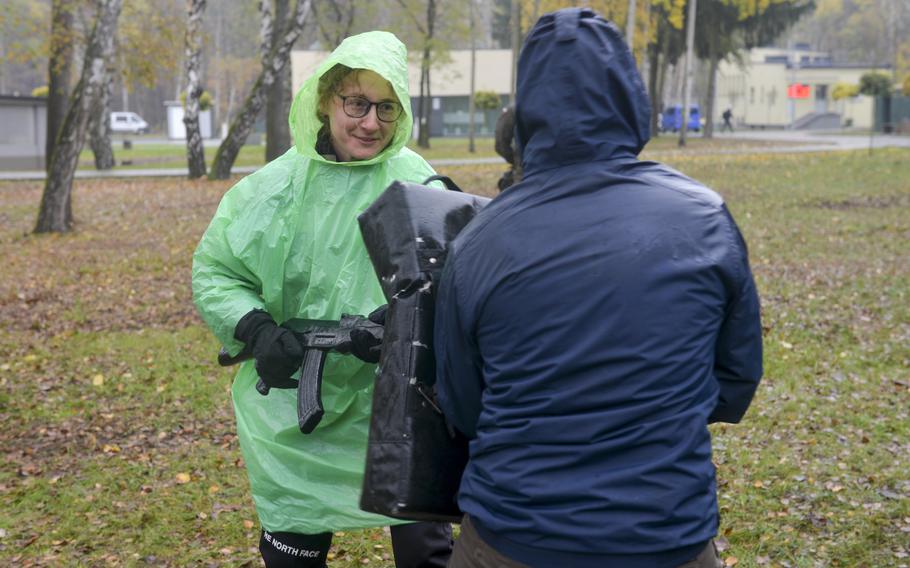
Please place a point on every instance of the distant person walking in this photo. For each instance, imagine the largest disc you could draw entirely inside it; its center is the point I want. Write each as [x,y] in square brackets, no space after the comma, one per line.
[728,121]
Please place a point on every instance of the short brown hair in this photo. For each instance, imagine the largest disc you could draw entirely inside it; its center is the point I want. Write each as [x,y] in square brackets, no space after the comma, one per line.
[329,84]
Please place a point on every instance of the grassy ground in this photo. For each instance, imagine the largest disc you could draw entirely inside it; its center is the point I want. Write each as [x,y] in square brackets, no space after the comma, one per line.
[117,433]
[169,155]
[165,155]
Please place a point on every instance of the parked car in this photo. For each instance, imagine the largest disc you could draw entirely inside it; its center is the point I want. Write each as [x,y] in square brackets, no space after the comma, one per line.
[128,122]
[671,118]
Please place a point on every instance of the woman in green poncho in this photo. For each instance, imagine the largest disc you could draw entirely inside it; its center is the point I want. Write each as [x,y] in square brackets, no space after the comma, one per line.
[285,244]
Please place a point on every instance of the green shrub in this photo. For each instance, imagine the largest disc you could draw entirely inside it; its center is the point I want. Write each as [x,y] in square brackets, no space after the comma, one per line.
[205,100]
[844,90]
[486,100]
[875,84]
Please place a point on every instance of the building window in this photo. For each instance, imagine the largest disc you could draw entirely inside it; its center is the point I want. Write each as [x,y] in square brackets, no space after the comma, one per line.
[752,95]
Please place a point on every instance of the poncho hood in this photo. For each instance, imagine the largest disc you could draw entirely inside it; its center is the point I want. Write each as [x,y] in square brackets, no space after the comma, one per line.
[589,71]
[380,52]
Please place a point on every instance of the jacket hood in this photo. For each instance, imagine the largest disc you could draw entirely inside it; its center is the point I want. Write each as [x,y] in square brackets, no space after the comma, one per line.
[380,52]
[580,97]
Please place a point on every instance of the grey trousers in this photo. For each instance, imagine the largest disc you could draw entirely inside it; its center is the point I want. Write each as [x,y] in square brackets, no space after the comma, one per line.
[472,552]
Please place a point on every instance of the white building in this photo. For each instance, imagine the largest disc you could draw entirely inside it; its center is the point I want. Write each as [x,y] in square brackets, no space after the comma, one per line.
[779,88]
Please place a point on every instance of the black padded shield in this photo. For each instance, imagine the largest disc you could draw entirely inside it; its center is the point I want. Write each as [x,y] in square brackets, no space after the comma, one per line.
[414,461]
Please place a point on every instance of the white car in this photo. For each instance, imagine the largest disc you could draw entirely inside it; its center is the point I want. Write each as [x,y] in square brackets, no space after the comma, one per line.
[128,122]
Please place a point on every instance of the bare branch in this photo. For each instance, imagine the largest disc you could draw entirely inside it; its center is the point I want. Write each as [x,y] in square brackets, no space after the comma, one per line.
[420,27]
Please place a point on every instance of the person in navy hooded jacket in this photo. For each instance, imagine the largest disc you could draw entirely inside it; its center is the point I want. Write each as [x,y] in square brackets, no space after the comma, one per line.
[590,323]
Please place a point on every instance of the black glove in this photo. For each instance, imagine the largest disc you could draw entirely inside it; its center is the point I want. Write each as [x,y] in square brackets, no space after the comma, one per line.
[366,343]
[277,352]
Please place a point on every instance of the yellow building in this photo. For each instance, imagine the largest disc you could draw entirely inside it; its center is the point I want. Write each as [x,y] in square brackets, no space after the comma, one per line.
[780,88]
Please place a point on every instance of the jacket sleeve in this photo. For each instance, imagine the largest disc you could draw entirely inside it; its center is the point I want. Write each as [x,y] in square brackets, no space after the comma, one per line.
[738,351]
[224,288]
[459,382]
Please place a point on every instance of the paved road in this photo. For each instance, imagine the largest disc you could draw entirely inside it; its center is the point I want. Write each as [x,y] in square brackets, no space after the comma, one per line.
[817,141]
[791,141]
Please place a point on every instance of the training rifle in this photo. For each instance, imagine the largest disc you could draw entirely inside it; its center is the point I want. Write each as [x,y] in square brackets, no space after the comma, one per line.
[318,338]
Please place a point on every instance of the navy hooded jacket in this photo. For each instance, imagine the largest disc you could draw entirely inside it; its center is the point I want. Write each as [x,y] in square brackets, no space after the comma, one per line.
[591,321]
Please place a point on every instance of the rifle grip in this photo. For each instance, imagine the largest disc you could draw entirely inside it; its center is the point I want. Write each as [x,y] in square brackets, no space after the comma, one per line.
[309,390]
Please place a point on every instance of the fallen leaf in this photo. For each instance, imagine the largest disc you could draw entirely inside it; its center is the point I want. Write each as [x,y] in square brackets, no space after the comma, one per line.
[98,380]
[731,561]
[182,478]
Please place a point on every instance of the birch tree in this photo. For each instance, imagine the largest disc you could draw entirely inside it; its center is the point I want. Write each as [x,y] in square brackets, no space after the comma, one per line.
[272,64]
[60,71]
[195,151]
[278,98]
[55,214]
[100,121]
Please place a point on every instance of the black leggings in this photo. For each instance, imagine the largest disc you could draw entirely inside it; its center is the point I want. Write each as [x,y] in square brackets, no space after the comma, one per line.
[415,545]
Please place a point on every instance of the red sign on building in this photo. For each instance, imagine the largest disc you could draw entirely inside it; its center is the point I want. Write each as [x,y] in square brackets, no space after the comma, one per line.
[798,91]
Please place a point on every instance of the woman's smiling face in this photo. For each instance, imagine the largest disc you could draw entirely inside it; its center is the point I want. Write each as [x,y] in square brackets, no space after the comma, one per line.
[365,137]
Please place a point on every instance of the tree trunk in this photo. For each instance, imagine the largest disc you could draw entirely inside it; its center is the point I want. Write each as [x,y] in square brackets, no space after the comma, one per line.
[653,88]
[423,138]
[243,122]
[60,69]
[689,71]
[100,125]
[278,100]
[55,214]
[709,103]
[471,104]
[515,24]
[195,151]
[421,102]
[630,26]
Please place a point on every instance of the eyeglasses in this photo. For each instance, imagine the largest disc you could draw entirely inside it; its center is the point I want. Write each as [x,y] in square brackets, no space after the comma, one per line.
[358,107]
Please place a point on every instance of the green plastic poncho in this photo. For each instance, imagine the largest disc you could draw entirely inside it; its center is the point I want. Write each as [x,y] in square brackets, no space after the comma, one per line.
[286,239]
